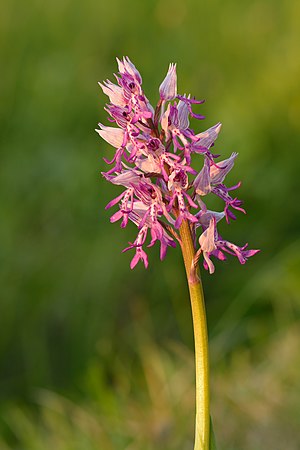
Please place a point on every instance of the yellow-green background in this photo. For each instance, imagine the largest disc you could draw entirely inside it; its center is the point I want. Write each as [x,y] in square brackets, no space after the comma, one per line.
[93,355]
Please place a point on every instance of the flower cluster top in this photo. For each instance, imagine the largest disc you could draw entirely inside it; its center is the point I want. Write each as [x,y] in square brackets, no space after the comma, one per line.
[153,164]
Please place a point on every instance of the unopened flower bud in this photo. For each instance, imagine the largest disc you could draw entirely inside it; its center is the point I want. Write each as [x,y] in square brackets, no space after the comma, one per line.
[168,88]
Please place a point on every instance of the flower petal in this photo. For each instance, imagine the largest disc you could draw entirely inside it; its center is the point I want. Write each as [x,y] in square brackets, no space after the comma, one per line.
[114,136]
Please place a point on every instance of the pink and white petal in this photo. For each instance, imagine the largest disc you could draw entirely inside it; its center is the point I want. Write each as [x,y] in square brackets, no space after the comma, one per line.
[219,171]
[208,137]
[114,136]
[202,180]
[207,238]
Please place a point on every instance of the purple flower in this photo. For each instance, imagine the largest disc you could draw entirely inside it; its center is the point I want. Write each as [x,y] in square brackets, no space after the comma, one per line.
[208,244]
[211,244]
[153,166]
[140,254]
[210,179]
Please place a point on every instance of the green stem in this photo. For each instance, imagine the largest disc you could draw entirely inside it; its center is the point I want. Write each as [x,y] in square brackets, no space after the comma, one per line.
[202,426]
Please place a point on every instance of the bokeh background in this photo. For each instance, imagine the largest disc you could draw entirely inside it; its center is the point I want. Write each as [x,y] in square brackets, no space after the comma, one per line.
[94,356]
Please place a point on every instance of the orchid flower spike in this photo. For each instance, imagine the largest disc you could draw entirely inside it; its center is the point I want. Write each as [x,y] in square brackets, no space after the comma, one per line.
[152,164]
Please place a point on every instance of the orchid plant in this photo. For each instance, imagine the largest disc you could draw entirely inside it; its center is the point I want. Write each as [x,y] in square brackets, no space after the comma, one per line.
[165,197]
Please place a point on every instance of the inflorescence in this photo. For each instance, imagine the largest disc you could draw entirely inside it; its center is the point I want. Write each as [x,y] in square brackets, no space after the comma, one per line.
[153,162]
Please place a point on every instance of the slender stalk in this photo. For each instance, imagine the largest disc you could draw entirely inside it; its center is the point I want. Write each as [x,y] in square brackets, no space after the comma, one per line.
[202,426]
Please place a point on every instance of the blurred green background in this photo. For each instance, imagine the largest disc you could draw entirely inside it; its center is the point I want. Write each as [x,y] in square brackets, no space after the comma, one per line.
[92,354]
